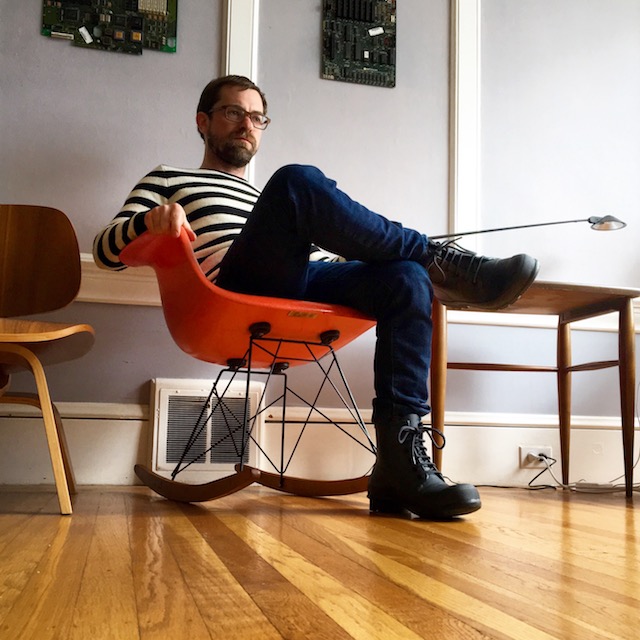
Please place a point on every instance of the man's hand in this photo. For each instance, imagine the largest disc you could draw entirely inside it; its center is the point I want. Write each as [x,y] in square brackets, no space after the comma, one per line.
[168,219]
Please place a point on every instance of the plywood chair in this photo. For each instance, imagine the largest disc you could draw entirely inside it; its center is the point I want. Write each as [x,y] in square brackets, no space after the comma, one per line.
[248,335]
[39,272]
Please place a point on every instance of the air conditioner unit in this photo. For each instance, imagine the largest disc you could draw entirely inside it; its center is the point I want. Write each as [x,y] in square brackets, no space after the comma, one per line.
[176,407]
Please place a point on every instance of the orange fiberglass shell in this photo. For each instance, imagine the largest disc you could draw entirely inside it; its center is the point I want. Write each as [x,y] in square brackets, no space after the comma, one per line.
[213,324]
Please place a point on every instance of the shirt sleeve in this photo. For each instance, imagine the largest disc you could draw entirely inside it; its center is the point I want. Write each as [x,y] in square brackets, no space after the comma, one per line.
[150,192]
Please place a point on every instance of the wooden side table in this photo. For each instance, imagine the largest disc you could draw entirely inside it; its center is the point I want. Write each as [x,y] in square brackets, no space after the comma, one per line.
[569,302]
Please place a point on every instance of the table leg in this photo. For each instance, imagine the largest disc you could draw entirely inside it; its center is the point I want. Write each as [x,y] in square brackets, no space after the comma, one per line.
[438,373]
[564,396]
[627,361]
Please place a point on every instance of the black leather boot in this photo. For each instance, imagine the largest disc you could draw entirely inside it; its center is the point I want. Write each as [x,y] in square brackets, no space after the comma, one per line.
[404,478]
[464,279]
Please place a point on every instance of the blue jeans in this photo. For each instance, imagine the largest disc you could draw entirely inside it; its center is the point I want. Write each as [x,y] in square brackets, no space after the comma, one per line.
[383,276]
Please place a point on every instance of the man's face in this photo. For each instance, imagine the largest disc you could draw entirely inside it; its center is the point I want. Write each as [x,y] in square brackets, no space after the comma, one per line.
[234,143]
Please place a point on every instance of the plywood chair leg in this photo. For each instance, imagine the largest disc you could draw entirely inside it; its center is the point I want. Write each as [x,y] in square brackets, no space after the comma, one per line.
[52,426]
[33,400]
[64,449]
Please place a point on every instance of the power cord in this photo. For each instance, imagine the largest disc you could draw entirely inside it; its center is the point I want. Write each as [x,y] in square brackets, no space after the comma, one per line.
[548,463]
[581,486]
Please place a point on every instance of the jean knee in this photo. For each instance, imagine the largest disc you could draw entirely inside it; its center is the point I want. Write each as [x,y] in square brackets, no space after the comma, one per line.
[296,173]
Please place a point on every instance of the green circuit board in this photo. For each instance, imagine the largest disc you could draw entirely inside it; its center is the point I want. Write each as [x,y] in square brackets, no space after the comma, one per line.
[359,41]
[126,26]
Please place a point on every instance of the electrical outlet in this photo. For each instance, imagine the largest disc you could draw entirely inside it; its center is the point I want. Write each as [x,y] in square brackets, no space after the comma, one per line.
[529,453]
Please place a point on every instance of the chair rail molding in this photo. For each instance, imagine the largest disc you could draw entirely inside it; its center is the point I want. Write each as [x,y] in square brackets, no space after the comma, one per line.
[138,287]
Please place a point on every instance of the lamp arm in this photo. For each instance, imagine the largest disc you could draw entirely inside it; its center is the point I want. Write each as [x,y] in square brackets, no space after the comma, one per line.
[521,226]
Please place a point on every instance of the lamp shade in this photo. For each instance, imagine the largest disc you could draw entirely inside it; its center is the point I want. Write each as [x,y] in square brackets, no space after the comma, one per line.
[606,223]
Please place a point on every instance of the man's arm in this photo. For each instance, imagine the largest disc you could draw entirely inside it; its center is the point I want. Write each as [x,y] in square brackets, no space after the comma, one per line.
[146,209]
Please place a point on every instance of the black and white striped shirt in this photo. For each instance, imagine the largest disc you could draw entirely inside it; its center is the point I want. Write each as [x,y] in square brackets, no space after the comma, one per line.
[217,205]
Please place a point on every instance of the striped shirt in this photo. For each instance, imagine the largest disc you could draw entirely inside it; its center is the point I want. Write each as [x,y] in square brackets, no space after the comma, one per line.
[217,205]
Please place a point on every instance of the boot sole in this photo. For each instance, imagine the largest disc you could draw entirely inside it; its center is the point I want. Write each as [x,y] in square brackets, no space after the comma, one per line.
[390,506]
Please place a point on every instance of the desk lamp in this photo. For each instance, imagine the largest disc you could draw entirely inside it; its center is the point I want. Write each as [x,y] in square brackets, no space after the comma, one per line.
[604,223]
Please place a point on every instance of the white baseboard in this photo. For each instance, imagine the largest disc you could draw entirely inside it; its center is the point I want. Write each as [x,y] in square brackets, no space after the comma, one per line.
[106,440]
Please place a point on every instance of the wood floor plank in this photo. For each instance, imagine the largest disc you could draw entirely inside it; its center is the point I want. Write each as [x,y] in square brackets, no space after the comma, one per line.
[289,610]
[226,608]
[41,610]
[358,616]
[453,587]
[106,607]
[491,575]
[499,583]
[583,552]
[24,545]
[18,500]
[165,604]
[306,536]
[18,507]
[475,612]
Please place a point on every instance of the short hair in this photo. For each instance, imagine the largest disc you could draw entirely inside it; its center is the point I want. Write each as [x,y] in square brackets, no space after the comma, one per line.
[211,92]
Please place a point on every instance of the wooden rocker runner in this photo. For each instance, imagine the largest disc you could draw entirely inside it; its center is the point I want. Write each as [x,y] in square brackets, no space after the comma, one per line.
[249,336]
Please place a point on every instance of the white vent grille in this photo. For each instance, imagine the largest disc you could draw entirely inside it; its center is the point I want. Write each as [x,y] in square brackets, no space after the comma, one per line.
[177,407]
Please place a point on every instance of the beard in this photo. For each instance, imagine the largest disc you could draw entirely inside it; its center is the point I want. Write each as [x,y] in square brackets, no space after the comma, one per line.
[232,151]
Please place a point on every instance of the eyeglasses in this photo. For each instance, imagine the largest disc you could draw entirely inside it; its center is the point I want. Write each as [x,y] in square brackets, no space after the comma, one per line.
[238,114]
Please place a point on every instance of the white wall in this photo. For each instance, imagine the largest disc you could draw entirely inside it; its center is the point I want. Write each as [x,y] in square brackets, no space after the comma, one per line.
[561,134]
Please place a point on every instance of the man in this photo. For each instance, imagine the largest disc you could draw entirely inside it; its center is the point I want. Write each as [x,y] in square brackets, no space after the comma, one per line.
[275,244]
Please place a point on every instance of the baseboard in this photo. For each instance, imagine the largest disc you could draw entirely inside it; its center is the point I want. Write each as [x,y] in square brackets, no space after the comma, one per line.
[107,440]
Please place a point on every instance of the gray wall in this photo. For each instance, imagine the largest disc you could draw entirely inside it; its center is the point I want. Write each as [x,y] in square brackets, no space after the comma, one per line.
[79,128]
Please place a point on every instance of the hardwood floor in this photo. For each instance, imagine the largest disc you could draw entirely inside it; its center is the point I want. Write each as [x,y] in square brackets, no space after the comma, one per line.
[265,565]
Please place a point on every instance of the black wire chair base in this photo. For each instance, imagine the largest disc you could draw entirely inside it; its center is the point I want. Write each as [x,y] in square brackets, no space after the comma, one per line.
[238,432]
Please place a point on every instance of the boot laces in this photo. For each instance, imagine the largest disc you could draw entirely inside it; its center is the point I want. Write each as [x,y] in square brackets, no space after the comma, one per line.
[419,453]
[450,256]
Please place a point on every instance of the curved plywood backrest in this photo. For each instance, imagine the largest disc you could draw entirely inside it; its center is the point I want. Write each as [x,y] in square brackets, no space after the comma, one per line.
[39,260]
[212,324]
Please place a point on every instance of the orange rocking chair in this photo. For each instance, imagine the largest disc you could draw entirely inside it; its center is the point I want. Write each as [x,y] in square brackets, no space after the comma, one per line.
[251,336]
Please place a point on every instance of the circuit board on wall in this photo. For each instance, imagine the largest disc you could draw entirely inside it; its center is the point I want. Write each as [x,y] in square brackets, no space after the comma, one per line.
[359,41]
[126,26]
